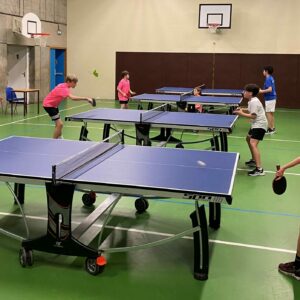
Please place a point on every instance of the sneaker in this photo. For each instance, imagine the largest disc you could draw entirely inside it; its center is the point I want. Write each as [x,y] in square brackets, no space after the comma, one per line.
[270,131]
[250,163]
[289,270]
[257,172]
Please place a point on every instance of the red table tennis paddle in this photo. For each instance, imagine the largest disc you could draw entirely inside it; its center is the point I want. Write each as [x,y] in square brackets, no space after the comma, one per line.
[279,184]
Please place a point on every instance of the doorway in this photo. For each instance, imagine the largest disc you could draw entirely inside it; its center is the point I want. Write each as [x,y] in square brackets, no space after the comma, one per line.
[18,67]
[57,66]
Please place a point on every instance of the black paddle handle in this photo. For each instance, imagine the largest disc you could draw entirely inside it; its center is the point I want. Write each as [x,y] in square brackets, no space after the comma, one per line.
[277,167]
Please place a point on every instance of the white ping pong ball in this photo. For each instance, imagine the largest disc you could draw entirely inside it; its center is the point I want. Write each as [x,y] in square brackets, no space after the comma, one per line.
[201,163]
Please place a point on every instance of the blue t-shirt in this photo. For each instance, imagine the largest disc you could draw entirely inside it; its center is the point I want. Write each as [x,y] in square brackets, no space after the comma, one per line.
[270,82]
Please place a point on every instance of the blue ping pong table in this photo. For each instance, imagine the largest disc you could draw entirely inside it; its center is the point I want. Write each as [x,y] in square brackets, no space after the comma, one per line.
[187,98]
[219,125]
[111,167]
[204,91]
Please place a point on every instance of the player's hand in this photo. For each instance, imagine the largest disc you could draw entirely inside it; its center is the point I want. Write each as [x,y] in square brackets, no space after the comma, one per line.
[91,101]
[279,173]
[133,93]
[237,111]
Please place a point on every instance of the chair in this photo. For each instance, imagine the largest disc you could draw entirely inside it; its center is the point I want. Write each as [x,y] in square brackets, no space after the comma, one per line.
[11,98]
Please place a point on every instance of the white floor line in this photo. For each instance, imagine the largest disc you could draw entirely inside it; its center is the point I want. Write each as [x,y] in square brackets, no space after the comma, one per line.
[156,233]
[271,172]
[40,115]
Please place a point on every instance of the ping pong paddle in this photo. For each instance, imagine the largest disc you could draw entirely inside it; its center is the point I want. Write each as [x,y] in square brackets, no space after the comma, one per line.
[279,184]
[94,103]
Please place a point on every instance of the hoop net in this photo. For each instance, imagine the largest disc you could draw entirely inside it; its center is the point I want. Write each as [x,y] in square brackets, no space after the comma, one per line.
[40,38]
[213,27]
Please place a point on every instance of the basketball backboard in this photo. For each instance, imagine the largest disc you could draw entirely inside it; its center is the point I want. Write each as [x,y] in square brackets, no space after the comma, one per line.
[215,14]
[31,24]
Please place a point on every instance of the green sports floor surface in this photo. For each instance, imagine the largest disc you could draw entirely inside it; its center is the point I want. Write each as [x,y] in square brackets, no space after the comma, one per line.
[258,231]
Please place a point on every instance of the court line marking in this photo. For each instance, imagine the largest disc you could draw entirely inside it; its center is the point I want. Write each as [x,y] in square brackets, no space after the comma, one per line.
[157,233]
[131,130]
[271,172]
[43,115]
[38,116]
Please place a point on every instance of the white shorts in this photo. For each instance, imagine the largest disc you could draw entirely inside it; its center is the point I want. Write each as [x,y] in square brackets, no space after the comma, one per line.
[270,105]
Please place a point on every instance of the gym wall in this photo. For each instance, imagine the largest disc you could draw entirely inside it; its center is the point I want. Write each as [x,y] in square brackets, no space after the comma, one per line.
[98,30]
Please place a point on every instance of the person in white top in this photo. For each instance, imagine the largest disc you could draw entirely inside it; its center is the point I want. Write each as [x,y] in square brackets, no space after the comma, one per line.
[259,126]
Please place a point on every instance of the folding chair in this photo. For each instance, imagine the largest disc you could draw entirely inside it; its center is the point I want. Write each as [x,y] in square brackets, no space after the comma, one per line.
[11,98]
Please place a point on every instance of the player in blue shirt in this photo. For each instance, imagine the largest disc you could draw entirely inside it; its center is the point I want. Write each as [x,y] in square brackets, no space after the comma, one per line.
[269,92]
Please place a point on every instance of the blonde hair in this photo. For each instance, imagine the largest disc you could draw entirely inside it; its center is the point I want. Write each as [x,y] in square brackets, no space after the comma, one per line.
[71,78]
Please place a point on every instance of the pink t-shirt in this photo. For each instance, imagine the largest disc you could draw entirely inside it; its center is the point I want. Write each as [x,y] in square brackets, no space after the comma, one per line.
[57,95]
[124,86]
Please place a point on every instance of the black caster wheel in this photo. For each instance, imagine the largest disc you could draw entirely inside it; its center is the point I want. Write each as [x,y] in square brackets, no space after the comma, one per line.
[92,267]
[200,276]
[25,257]
[180,146]
[141,205]
[89,199]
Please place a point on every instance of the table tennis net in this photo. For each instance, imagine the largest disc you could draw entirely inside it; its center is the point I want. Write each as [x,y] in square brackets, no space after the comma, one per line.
[184,96]
[86,156]
[149,114]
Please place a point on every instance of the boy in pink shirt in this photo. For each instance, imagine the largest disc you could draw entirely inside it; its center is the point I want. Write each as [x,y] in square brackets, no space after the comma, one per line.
[124,91]
[56,96]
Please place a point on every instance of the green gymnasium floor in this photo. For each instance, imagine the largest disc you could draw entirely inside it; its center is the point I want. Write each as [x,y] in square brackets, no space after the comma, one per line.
[258,231]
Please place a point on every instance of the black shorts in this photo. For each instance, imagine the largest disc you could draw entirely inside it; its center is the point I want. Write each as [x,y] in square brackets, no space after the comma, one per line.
[124,102]
[257,133]
[53,112]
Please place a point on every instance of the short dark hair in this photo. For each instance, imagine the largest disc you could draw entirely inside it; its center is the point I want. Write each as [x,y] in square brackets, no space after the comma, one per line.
[124,73]
[253,88]
[269,69]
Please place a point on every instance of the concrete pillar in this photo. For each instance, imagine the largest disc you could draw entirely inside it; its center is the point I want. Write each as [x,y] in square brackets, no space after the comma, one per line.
[3,66]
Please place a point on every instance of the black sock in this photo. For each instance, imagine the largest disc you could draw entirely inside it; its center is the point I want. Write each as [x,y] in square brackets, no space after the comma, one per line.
[297,262]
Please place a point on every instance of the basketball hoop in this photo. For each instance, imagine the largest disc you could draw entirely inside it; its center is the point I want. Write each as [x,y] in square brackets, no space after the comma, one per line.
[213,27]
[40,38]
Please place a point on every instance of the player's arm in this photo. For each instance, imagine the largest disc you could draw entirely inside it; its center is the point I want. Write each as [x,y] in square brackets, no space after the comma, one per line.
[268,90]
[245,113]
[268,85]
[121,92]
[132,92]
[291,164]
[76,98]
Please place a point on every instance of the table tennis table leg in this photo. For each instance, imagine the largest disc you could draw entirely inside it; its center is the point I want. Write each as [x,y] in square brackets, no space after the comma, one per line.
[224,141]
[214,142]
[142,134]
[59,239]
[19,190]
[83,136]
[25,104]
[214,215]
[106,130]
[201,247]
